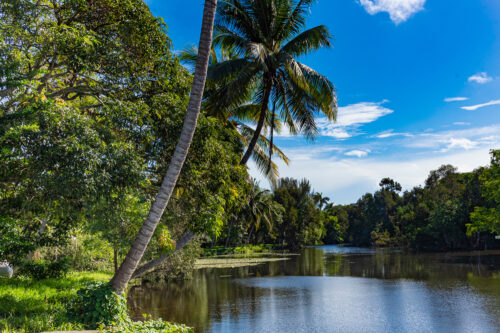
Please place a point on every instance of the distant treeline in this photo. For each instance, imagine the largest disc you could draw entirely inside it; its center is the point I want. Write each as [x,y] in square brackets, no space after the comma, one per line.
[451,211]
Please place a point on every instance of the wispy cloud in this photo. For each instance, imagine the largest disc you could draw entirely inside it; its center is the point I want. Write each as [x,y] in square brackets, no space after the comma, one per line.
[480,78]
[461,123]
[462,143]
[357,153]
[399,10]
[478,106]
[335,170]
[346,179]
[351,117]
[455,99]
[445,141]
[389,134]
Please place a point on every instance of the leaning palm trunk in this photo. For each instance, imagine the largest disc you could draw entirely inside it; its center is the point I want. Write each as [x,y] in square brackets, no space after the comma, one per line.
[134,256]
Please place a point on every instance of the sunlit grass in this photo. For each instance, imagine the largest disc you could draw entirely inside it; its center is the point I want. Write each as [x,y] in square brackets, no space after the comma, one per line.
[27,305]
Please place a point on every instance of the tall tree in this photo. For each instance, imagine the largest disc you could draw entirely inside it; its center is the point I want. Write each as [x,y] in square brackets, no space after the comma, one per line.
[261,207]
[488,218]
[78,82]
[127,268]
[238,117]
[267,36]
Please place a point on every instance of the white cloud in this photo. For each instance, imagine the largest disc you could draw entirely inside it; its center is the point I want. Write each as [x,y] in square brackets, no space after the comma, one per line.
[389,134]
[399,10]
[477,106]
[461,123]
[480,78]
[459,143]
[455,139]
[346,180]
[351,117]
[361,113]
[455,99]
[333,170]
[338,133]
[357,153]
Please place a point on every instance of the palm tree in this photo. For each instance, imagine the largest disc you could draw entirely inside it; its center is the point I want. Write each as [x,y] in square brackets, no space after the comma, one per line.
[267,36]
[134,256]
[320,200]
[261,207]
[238,116]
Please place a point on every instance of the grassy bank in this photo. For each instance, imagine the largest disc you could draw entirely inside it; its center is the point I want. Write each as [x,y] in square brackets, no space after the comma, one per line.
[27,305]
[225,262]
[241,251]
[249,255]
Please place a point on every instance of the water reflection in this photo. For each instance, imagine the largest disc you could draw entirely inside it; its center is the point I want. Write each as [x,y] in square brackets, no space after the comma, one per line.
[336,289]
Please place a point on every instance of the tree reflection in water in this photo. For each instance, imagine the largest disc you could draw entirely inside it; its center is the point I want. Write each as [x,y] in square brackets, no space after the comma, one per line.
[227,299]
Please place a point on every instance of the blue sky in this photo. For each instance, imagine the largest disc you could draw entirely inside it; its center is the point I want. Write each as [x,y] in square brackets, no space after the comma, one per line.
[418,84]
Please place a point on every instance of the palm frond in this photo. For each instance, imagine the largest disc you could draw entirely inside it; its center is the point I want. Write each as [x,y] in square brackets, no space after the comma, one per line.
[247,132]
[269,170]
[238,16]
[292,21]
[308,41]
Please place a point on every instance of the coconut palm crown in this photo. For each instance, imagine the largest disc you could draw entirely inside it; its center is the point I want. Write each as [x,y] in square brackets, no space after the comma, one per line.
[269,36]
[240,116]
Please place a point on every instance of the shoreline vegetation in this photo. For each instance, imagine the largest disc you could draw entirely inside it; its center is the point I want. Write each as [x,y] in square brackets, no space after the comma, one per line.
[29,305]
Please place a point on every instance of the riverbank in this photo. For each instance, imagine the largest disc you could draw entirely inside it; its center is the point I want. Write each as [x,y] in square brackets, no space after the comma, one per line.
[228,262]
[28,305]
[241,256]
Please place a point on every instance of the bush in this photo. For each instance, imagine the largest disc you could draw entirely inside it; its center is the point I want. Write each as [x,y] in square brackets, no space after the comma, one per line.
[41,270]
[99,305]
[179,266]
[86,252]
[152,326]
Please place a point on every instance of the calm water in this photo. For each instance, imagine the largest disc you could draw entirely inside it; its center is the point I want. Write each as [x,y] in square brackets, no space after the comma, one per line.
[337,289]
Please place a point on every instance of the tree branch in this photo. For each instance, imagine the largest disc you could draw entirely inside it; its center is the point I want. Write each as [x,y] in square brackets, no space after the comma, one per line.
[185,238]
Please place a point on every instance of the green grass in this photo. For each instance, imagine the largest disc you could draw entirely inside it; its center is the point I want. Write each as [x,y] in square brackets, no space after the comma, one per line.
[242,251]
[27,305]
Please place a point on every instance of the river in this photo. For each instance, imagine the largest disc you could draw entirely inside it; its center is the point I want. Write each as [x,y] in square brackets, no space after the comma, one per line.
[337,289]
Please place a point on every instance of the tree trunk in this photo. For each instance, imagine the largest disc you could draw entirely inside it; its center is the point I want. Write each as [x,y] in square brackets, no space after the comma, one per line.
[115,259]
[229,231]
[271,140]
[179,245]
[260,124]
[134,256]
[250,234]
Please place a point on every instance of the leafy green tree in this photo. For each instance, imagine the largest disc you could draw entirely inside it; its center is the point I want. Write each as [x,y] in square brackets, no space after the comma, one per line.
[487,218]
[302,221]
[261,208]
[336,224]
[268,37]
[81,83]
[53,160]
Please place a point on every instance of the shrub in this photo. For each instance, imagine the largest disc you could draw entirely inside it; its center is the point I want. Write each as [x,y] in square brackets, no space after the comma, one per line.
[151,326]
[41,270]
[86,252]
[179,266]
[99,305]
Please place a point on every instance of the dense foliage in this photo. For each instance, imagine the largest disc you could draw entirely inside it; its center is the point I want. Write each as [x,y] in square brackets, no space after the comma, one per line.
[92,106]
[451,211]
